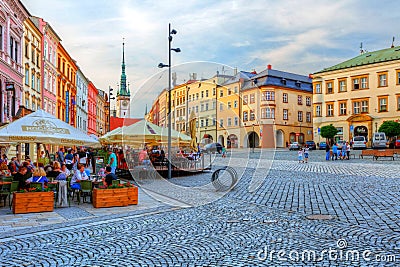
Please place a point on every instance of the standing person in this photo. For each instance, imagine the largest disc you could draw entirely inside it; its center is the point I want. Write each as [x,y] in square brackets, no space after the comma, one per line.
[300,155]
[223,152]
[112,160]
[334,151]
[69,159]
[348,150]
[306,153]
[328,151]
[82,156]
[344,150]
[76,160]
[60,155]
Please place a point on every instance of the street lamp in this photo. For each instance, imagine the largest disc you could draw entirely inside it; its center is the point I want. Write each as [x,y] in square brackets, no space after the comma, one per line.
[254,136]
[300,135]
[109,106]
[187,109]
[161,65]
[376,127]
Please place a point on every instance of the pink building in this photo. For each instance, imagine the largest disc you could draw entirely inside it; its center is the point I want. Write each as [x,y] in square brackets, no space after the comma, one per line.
[49,68]
[12,16]
[92,116]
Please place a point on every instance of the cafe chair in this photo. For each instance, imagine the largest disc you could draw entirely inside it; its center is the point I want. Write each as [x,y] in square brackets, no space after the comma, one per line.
[86,189]
[13,188]
[5,192]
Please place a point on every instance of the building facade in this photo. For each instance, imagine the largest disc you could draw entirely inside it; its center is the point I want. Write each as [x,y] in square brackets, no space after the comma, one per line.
[32,62]
[358,95]
[66,86]
[81,101]
[101,104]
[12,17]
[92,111]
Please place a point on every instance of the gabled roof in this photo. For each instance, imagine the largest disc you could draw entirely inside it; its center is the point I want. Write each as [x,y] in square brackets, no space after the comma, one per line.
[367,58]
[240,75]
[280,78]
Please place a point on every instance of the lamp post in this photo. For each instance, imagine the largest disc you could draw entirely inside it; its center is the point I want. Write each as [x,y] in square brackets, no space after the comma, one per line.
[161,65]
[376,127]
[187,109]
[254,136]
[109,106]
[300,134]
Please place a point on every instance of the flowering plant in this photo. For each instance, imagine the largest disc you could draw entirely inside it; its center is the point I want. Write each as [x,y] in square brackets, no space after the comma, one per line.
[33,189]
[120,185]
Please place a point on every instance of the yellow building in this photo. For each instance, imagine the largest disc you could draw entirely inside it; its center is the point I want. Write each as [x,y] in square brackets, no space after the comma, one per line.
[32,62]
[357,95]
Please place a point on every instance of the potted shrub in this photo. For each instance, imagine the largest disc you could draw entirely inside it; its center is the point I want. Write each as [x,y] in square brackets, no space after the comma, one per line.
[32,200]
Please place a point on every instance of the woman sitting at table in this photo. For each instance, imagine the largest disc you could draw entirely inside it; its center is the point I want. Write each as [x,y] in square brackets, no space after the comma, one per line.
[39,176]
[79,175]
[56,170]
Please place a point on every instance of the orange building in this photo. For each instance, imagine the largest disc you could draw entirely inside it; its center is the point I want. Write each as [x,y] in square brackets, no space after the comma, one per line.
[66,86]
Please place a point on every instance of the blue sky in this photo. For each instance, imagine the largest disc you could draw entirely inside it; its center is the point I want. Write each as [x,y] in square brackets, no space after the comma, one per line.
[300,36]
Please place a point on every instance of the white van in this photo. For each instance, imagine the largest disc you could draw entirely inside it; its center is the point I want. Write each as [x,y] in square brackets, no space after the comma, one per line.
[379,140]
[359,142]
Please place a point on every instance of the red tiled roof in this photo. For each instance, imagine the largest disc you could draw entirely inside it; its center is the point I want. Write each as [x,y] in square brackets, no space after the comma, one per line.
[119,122]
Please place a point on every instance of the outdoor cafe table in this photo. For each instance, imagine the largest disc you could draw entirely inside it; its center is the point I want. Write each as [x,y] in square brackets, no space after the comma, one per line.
[4,183]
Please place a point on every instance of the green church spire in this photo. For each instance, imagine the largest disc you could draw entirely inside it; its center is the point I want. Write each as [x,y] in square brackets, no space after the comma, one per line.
[123,90]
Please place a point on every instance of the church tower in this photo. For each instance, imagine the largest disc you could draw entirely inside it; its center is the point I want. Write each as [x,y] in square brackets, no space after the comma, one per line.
[123,94]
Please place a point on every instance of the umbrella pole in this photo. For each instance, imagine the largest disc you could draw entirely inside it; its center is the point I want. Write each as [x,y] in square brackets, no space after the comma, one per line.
[37,154]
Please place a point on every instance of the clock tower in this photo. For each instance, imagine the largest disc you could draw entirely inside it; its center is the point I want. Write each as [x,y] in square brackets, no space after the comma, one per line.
[123,94]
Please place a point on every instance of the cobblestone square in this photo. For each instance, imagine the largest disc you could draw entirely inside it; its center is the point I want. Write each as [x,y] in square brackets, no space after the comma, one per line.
[277,224]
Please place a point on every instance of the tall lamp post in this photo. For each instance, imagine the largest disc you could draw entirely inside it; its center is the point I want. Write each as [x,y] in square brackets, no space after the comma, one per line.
[161,65]
[109,106]
[254,137]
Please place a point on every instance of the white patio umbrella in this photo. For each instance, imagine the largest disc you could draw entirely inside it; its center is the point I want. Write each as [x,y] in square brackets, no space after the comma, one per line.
[42,127]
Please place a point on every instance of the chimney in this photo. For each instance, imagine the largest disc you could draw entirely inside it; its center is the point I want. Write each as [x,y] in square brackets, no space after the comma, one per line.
[310,76]
[234,71]
[194,76]
[174,78]
[269,67]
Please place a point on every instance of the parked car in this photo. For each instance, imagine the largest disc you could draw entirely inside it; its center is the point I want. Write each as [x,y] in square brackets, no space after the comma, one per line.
[379,140]
[397,143]
[311,145]
[322,145]
[294,146]
[212,148]
[359,142]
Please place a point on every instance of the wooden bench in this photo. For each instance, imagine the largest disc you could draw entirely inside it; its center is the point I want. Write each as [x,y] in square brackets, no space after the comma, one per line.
[366,153]
[384,153]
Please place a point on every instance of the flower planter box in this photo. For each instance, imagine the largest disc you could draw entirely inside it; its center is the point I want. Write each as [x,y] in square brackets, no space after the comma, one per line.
[33,202]
[118,197]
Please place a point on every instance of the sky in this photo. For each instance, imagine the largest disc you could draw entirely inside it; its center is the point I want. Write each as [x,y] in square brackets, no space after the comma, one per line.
[299,36]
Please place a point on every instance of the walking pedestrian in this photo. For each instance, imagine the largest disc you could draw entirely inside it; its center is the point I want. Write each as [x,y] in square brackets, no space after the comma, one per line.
[348,150]
[300,155]
[328,152]
[344,150]
[334,151]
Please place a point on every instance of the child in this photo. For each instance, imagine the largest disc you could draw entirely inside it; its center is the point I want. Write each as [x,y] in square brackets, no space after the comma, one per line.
[300,155]
[305,152]
[223,152]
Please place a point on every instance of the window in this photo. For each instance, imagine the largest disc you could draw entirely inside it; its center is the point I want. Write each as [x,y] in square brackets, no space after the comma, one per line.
[308,117]
[26,50]
[206,93]
[235,104]
[33,81]
[197,109]
[329,87]
[308,101]
[245,116]
[229,91]
[27,76]
[356,84]
[214,104]
[342,85]
[300,115]
[252,99]
[397,73]
[221,106]
[214,91]
[245,99]
[364,106]
[382,79]
[364,83]
[317,88]
[197,96]
[299,100]
[1,38]
[356,107]
[229,121]
[221,123]
[236,121]
[268,96]
[190,98]
[252,115]
[206,106]
[201,123]
[342,108]
[235,89]
[329,110]
[26,101]
[285,98]
[38,84]
[33,55]
[383,104]
[45,52]
[318,110]
[229,105]
[221,93]
[202,107]
[285,114]
[398,102]
[268,113]
[202,94]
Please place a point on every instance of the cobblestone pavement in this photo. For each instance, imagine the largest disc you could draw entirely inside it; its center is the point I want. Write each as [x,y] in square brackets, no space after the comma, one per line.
[267,226]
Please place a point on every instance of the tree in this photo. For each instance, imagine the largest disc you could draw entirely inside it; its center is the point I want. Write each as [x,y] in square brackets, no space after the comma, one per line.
[328,132]
[390,128]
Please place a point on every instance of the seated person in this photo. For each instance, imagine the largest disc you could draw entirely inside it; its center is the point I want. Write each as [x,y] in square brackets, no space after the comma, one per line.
[21,177]
[191,156]
[28,167]
[101,172]
[109,177]
[65,170]
[56,170]
[12,167]
[39,176]
[79,175]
